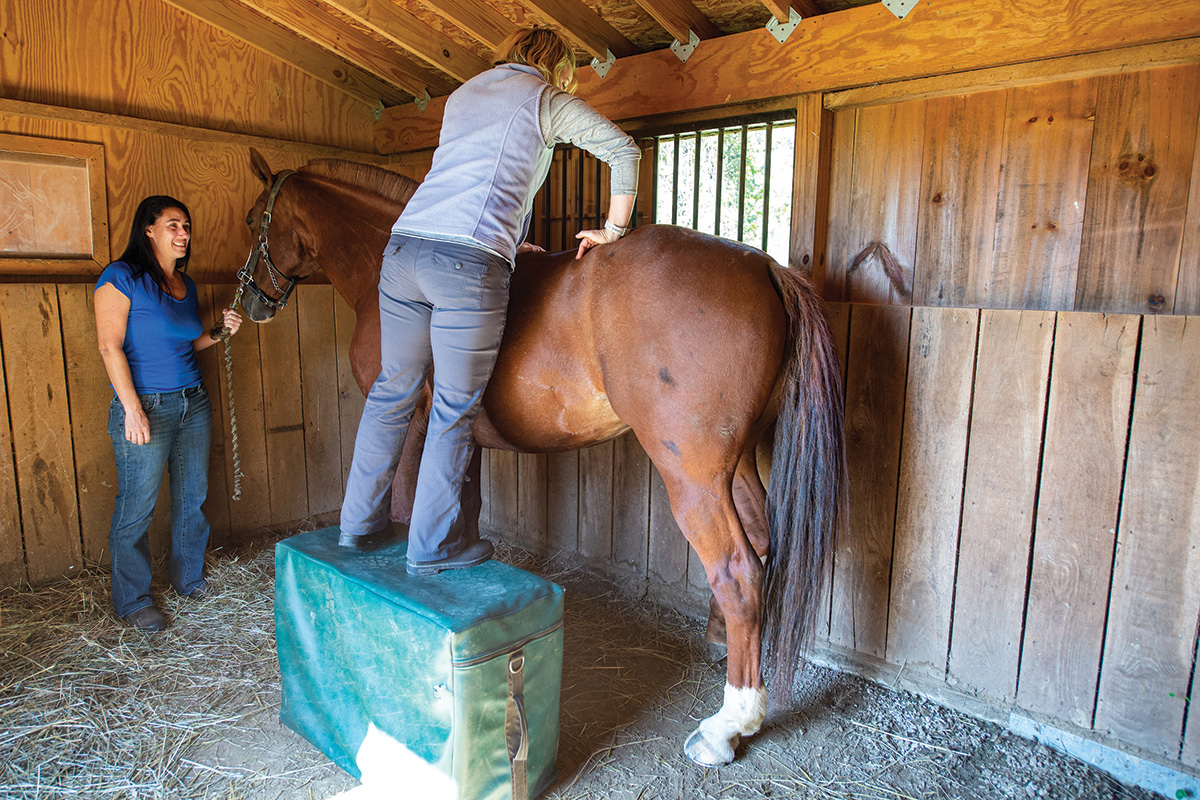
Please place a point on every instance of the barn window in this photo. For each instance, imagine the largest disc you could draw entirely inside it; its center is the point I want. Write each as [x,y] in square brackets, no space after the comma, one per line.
[733,179]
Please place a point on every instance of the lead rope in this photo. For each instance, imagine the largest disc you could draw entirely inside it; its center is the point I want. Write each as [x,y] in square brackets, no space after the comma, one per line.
[237,461]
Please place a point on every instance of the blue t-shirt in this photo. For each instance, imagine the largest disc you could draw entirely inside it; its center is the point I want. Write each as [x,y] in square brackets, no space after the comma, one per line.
[159,332]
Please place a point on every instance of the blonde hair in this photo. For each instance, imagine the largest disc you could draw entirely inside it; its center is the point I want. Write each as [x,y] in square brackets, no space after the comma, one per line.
[545,50]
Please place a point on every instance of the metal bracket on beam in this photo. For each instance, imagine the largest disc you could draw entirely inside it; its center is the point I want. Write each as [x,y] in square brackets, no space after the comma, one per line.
[782,30]
[684,51]
[423,101]
[377,111]
[900,7]
[602,67]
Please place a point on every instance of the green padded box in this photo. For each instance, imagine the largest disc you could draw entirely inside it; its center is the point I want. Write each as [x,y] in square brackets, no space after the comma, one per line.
[450,681]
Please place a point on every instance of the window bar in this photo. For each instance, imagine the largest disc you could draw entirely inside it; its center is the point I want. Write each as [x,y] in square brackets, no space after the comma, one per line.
[600,213]
[544,240]
[741,232]
[579,156]
[720,176]
[767,186]
[696,184]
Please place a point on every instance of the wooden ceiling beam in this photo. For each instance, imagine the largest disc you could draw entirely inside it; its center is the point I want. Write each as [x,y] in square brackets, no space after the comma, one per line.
[678,17]
[479,20]
[290,48]
[845,49]
[779,8]
[413,36]
[587,28]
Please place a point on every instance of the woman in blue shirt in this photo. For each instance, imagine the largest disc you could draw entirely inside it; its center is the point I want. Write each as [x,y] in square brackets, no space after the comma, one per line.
[443,287]
[149,330]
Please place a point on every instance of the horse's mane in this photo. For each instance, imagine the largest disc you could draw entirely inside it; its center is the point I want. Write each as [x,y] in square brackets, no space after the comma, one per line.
[369,177]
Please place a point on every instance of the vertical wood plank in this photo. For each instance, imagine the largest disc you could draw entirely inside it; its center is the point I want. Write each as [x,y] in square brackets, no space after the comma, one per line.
[531,501]
[844,141]
[631,504]
[485,490]
[668,551]
[596,501]
[350,397]
[503,491]
[1087,422]
[810,186]
[881,189]
[90,396]
[1043,192]
[958,199]
[212,370]
[562,502]
[875,380]
[838,315]
[41,429]
[320,397]
[1155,600]
[1187,292]
[253,511]
[1142,157]
[998,499]
[283,415]
[937,413]
[12,548]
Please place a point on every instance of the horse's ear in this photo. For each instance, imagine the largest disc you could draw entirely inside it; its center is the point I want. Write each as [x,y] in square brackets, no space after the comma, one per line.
[259,165]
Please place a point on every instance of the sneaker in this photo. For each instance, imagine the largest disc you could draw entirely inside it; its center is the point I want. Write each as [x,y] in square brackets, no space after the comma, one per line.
[472,555]
[147,620]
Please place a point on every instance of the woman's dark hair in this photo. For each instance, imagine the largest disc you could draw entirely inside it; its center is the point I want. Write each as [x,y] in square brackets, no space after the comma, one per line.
[139,254]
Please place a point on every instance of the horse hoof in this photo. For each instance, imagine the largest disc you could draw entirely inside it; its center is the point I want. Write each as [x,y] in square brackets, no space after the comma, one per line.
[715,653]
[705,753]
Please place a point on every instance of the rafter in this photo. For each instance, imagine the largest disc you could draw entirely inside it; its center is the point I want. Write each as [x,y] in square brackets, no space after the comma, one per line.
[479,20]
[679,17]
[806,8]
[296,50]
[585,27]
[313,23]
[412,35]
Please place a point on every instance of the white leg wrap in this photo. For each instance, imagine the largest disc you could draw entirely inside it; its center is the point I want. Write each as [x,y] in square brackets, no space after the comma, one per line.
[742,713]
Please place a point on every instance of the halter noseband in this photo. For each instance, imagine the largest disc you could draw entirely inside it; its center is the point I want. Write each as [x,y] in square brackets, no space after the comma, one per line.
[245,275]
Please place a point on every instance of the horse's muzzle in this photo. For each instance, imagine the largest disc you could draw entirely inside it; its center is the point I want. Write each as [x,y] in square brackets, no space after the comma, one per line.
[256,310]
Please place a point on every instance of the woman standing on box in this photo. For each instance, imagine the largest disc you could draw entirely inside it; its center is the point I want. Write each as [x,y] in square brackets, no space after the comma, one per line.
[443,290]
[149,330]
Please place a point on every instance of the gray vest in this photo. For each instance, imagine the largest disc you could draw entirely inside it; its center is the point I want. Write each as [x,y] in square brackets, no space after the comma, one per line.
[490,162]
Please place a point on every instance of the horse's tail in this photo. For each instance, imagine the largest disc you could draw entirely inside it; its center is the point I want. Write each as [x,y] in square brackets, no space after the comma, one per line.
[806,501]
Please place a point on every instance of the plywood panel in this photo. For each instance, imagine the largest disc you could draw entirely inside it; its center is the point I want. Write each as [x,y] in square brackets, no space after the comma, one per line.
[875,379]
[1043,192]
[1187,292]
[212,369]
[1087,422]
[631,504]
[41,429]
[91,394]
[562,501]
[283,415]
[320,390]
[877,198]
[958,199]
[937,411]
[1155,601]
[350,397]
[1137,191]
[12,550]
[998,502]
[596,501]
[532,503]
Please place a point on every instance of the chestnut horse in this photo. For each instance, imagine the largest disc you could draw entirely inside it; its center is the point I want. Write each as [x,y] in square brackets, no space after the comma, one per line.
[698,344]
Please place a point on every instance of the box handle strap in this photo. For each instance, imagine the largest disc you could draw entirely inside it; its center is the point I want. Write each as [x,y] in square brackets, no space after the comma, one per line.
[516,727]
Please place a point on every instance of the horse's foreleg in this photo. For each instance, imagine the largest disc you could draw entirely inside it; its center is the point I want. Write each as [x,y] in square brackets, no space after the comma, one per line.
[735,573]
[750,499]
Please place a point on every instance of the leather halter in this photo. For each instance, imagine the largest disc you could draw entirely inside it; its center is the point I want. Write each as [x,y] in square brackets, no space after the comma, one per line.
[261,251]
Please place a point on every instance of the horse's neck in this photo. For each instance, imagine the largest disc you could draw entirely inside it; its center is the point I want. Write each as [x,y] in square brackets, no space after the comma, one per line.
[355,227]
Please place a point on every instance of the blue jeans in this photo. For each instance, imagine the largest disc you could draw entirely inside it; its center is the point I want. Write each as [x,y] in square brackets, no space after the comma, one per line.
[446,304]
[180,434]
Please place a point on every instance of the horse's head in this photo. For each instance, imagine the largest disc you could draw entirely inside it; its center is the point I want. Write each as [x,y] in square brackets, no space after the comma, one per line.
[283,252]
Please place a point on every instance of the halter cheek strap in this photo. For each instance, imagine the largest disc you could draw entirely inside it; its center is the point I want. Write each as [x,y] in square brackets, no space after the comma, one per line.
[261,250]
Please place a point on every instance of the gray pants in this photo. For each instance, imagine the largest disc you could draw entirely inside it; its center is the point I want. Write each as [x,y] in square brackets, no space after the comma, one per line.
[446,304]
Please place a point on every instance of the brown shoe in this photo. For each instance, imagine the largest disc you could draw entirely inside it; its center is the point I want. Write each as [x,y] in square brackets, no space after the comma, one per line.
[147,620]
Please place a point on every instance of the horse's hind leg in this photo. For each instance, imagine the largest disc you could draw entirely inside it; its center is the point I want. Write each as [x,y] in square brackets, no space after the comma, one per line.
[708,517]
[750,500]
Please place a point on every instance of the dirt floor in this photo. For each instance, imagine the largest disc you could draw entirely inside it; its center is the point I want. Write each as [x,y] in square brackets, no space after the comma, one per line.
[91,710]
